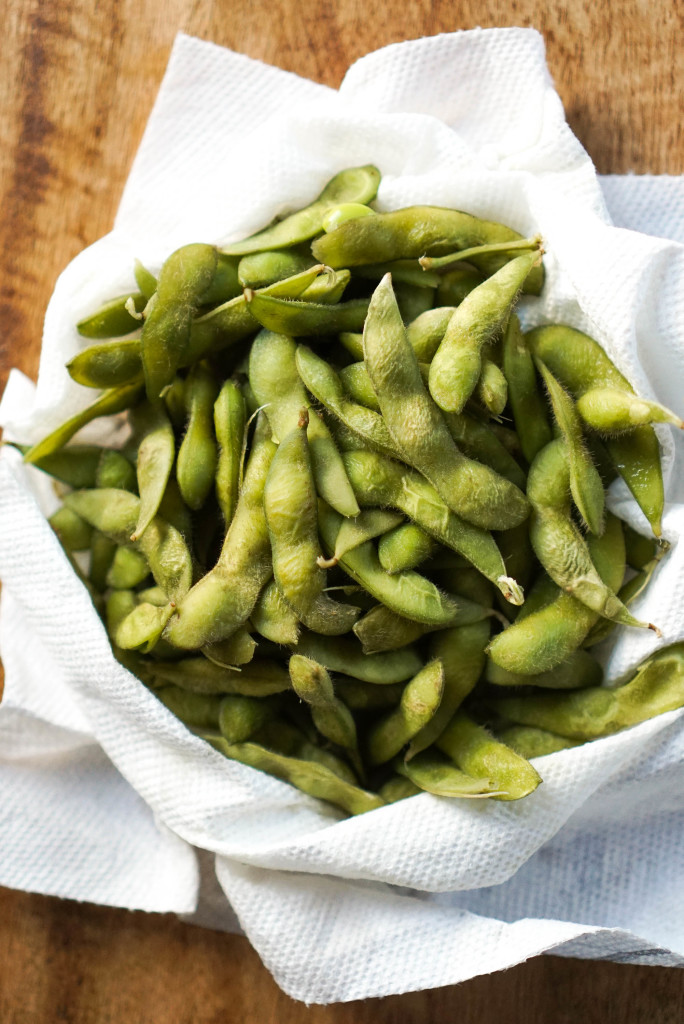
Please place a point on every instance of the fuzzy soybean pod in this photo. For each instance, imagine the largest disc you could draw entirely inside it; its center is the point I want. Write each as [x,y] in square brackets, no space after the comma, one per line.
[586,486]
[115,514]
[425,333]
[110,402]
[128,569]
[627,593]
[543,639]
[184,278]
[310,777]
[240,717]
[260,678]
[609,410]
[113,319]
[526,400]
[352,185]
[142,628]
[238,649]
[273,617]
[372,522]
[415,231]
[256,270]
[580,364]
[530,742]
[229,427]
[407,593]
[383,630]
[380,481]
[328,288]
[75,533]
[145,280]
[114,470]
[471,490]
[290,504]
[102,551]
[419,702]
[331,716]
[457,363]
[578,670]
[360,696]
[196,710]
[434,773]
[656,687]
[198,453]
[558,543]
[344,654]
[223,599]
[75,466]
[492,387]
[156,453]
[476,752]
[405,547]
[456,284]
[275,381]
[303,319]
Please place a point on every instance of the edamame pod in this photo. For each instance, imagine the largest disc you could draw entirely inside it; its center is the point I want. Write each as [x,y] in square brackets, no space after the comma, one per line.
[229,428]
[198,453]
[156,453]
[113,319]
[475,752]
[342,654]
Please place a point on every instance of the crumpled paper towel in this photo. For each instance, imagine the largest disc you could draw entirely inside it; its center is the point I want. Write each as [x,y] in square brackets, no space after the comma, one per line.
[104,794]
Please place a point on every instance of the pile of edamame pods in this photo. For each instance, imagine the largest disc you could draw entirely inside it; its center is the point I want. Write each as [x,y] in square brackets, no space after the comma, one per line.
[357,538]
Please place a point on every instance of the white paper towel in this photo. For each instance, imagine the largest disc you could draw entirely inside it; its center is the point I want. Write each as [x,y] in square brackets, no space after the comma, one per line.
[426,892]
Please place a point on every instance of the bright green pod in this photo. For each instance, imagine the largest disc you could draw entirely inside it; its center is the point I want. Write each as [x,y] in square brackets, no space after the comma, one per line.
[113,319]
[578,670]
[120,603]
[273,617]
[328,288]
[656,687]
[153,595]
[114,470]
[610,410]
[342,654]
[291,507]
[358,385]
[457,363]
[183,280]
[471,490]
[419,702]
[529,409]
[222,600]
[371,523]
[476,752]
[352,185]
[156,454]
[417,231]
[75,534]
[142,627]
[145,280]
[108,365]
[229,428]
[108,404]
[586,486]
[344,212]
[405,547]
[115,514]
[492,388]
[198,452]
[174,510]
[431,772]
[303,319]
[256,270]
[315,779]
[275,380]
[128,569]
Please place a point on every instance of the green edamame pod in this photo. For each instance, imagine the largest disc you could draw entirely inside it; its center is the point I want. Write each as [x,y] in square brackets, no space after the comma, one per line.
[225,284]
[475,752]
[290,504]
[114,470]
[384,630]
[353,342]
[142,627]
[198,453]
[120,603]
[183,280]
[585,483]
[113,319]
[342,654]
[530,742]
[240,717]
[145,280]
[101,554]
[407,592]
[609,410]
[627,593]
[238,649]
[457,363]
[331,717]
[360,696]
[656,687]
[372,522]
[433,773]
[277,385]
[446,263]
[492,388]
[111,364]
[128,569]
[419,702]
[196,710]
[223,599]
[378,481]
[405,547]
[260,678]
[357,384]
[273,617]
[353,185]
[75,534]
[75,466]
[578,670]
[456,284]
[413,232]
[109,403]
[397,788]
[470,489]
[328,288]
[639,550]
[403,272]
[302,319]
[527,403]
[115,514]
[425,333]
[412,300]
[258,269]
[156,453]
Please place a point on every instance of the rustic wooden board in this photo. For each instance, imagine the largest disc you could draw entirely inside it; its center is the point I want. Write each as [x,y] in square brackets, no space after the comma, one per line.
[77,83]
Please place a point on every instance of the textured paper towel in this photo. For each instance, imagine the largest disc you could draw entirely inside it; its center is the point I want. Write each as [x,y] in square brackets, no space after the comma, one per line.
[426,892]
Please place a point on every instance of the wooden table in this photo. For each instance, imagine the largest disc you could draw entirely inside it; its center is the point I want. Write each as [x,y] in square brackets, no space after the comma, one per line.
[77,82]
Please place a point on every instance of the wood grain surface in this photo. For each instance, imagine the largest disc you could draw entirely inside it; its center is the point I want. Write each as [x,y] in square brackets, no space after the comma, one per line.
[77,82]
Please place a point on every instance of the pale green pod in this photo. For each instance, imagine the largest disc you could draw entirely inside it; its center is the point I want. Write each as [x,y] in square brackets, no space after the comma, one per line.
[303,319]
[260,678]
[433,773]
[75,534]
[579,669]
[256,270]
[223,599]
[145,280]
[352,185]
[196,710]
[470,489]
[114,470]
[277,386]
[128,569]
[156,454]
[119,604]
[328,288]
[384,630]
[419,702]
[476,752]
[273,617]
[198,452]
[530,742]
[114,318]
[492,387]
[142,627]
[291,507]
[398,788]
[405,547]
[229,428]
[344,212]
[457,364]
[527,403]
[610,410]
[237,650]
[372,522]
[425,333]
[342,654]
[240,717]
[333,719]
